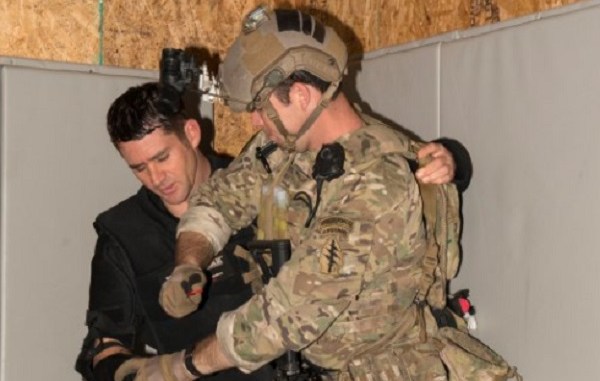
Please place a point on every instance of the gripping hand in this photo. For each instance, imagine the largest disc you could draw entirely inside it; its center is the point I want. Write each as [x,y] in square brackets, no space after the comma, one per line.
[157,368]
[181,293]
[439,166]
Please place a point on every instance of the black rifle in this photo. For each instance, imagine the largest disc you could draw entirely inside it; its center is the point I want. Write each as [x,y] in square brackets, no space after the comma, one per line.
[291,366]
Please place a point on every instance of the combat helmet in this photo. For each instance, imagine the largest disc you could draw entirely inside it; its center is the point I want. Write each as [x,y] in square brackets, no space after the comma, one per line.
[271,46]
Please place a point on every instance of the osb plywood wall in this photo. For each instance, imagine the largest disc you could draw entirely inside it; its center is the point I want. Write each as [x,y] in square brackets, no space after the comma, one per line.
[132,33]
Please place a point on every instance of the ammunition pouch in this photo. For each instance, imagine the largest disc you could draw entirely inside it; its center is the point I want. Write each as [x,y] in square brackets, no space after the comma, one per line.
[467,358]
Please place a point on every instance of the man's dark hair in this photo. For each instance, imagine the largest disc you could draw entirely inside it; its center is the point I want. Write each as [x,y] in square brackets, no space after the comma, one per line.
[282,91]
[136,113]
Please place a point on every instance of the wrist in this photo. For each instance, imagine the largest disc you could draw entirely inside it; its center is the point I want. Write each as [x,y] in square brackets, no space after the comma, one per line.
[188,362]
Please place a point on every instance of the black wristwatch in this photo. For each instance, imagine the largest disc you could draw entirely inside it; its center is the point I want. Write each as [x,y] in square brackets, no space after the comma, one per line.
[189,363]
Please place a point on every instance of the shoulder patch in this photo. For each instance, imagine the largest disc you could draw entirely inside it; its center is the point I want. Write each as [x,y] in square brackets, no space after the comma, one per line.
[331,258]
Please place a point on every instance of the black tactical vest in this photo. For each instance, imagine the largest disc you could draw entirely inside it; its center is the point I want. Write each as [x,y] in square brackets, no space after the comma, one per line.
[145,234]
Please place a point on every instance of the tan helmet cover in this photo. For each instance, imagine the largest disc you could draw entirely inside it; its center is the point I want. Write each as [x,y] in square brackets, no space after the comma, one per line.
[271,46]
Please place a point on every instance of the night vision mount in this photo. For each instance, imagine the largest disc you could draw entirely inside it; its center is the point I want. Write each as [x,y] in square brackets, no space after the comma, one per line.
[179,72]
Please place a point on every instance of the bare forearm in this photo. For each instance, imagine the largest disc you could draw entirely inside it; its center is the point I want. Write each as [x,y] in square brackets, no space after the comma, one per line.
[194,249]
[208,356]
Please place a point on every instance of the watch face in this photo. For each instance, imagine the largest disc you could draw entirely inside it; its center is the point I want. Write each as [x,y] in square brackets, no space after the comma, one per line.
[254,19]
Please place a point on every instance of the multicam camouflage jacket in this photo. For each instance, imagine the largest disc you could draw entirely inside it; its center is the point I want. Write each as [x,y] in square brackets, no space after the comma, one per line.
[349,287]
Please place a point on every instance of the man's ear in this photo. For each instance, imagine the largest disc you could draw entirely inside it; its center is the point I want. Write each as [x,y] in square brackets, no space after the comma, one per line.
[193,133]
[301,94]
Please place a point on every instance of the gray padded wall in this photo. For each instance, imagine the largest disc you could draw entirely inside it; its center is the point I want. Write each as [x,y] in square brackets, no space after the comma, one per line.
[400,87]
[524,97]
[58,171]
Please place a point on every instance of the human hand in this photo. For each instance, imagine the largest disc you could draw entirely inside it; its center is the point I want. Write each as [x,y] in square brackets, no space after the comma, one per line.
[440,168]
[181,293]
[169,367]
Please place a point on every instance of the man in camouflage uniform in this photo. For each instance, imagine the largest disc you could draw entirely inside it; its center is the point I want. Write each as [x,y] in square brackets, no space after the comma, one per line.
[346,298]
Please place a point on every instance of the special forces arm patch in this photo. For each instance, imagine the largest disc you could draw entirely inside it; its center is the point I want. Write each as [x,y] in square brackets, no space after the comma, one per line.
[335,232]
[330,257]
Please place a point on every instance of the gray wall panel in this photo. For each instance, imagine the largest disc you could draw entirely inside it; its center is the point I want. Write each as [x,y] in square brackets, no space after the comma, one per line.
[525,100]
[400,87]
[58,171]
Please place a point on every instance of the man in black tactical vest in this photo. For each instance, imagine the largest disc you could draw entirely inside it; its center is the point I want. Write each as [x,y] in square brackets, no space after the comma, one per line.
[136,242]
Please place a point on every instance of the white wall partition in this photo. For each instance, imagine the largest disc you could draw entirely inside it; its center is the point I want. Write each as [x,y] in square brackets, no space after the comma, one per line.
[524,98]
[59,170]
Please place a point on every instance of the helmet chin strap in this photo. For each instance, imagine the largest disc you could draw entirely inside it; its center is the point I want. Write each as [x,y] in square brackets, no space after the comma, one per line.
[289,138]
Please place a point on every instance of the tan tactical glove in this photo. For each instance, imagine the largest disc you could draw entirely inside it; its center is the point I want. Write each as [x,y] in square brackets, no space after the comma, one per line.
[157,368]
[181,293]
